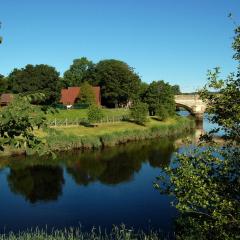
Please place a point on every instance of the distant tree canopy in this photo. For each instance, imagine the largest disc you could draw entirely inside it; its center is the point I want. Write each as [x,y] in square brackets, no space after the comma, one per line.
[3,84]
[118,81]
[176,89]
[77,72]
[36,79]
[160,93]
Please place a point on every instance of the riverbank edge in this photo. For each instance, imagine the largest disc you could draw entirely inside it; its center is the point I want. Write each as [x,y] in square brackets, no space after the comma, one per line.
[59,142]
[63,142]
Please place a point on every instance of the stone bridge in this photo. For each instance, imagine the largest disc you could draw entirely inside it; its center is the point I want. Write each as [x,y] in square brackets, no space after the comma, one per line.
[191,103]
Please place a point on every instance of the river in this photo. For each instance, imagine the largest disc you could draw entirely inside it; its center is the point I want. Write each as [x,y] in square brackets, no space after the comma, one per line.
[113,186]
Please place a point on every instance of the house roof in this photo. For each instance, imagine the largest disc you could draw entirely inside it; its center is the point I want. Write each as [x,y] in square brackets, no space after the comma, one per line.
[70,95]
[6,98]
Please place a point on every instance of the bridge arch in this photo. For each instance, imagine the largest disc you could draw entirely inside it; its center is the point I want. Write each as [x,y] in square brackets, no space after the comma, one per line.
[189,109]
[192,103]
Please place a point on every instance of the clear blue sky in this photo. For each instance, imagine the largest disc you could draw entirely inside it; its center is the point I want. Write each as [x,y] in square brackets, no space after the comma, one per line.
[173,40]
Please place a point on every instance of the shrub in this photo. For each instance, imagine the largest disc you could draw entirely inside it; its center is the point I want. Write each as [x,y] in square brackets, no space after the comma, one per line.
[162,112]
[95,114]
[139,112]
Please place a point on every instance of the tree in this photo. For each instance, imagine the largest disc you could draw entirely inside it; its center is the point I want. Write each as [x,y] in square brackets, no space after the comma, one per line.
[139,112]
[3,84]
[162,112]
[118,81]
[205,180]
[95,113]
[75,75]
[160,93]
[176,89]
[36,79]
[17,122]
[87,94]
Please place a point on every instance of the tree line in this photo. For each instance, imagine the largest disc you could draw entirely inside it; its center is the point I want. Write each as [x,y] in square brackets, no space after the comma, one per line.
[119,83]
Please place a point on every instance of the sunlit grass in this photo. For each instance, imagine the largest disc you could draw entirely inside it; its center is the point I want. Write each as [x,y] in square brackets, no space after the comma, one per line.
[82,113]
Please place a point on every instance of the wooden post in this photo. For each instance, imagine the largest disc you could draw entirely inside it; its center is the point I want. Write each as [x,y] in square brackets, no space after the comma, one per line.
[66,122]
[55,122]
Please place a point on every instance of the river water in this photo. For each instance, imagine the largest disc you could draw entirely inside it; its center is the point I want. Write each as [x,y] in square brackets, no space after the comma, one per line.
[113,186]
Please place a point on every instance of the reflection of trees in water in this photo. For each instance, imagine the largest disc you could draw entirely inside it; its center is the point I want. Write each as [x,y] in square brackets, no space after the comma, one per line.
[37,183]
[117,165]
[160,155]
[85,170]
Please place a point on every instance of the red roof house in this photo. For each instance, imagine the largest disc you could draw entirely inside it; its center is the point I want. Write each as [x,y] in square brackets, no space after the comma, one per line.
[5,99]
[70,95]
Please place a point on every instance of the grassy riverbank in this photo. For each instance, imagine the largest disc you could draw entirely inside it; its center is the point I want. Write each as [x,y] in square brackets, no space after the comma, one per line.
[73,114]
[111,134]
[108,134]
[117,233]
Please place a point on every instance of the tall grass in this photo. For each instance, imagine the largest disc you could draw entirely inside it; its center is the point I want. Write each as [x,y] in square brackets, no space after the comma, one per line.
[117,233]
[61,141]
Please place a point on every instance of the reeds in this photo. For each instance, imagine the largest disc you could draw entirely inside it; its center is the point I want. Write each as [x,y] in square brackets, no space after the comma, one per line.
[117,233]
[62,142]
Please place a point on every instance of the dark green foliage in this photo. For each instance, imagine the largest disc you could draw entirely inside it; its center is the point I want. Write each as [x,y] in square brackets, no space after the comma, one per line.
[3,84]
[139,112]
[87,94]
[36,79]
[17,122]
[205,179]
[95,113]
[77,72]
[162,112]
[119,83]
[176,89]
[160,93]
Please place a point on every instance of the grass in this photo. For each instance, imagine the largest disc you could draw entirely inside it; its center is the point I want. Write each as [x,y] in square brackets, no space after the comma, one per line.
[108,134]
[117,233]
[82,113]
[111,134]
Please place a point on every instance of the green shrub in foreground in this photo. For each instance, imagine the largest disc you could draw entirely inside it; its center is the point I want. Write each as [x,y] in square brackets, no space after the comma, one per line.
[95,113]
[139,112]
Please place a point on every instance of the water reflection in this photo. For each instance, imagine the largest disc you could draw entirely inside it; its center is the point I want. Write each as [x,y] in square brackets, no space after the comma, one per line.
[42,179]
[37,183]
[118,165]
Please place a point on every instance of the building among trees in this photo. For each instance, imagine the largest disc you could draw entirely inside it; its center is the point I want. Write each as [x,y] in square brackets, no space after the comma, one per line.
[72,95]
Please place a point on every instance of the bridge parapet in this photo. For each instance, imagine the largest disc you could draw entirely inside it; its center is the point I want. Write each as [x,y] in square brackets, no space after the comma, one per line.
[193,103]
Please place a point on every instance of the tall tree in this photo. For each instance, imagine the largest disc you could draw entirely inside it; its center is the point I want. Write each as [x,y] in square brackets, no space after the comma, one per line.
[118,81]
[3,84]
[87,94]
[75,75]
[176,89]
[36,79]
[160,93]
[206,180]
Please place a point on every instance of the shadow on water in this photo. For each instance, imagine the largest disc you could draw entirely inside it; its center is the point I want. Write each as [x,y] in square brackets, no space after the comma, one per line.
[36,183]
[111,186]
[41,179]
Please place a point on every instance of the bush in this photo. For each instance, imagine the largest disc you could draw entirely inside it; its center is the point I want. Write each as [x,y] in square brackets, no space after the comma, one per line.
[139,112]
[162,112]
[95,114]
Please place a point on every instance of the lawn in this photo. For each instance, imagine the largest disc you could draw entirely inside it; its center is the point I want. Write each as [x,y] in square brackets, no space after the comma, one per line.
[73,114]
[103,128]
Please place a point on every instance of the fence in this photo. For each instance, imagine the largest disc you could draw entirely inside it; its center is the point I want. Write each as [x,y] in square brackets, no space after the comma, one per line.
[78,121]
